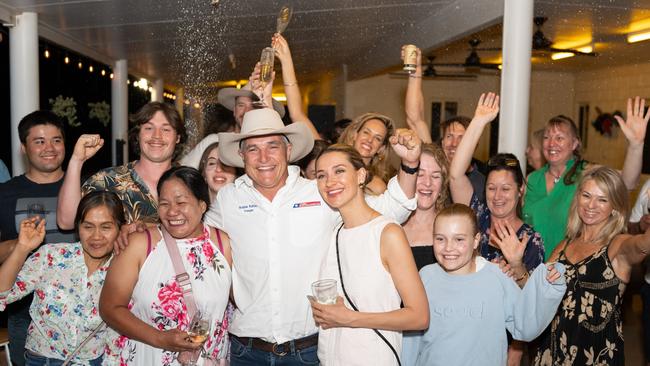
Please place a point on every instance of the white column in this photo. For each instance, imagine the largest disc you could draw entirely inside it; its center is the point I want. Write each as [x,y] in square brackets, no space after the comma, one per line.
[515,77]
[180,100]
[23,79]
[120,110]
[158,89]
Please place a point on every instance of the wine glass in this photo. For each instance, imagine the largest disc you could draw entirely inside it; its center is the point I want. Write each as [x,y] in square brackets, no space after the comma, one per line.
[266,73]
[36,209]
[283,19]
[198,332]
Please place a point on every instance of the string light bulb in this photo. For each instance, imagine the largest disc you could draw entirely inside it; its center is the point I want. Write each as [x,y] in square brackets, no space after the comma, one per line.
[90,68]
[66,60]
[103,72]
[80,65]
[111,76]
[47,54]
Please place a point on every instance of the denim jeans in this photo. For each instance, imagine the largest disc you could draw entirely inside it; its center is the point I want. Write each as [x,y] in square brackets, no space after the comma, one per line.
[32,359]
[18,320]
[246,355]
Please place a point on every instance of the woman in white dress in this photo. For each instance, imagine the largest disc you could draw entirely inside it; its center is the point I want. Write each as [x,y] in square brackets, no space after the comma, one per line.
[376,267]
[143,301]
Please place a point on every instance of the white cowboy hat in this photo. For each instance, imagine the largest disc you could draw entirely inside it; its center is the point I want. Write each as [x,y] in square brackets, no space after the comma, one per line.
[262,122]
[227,97]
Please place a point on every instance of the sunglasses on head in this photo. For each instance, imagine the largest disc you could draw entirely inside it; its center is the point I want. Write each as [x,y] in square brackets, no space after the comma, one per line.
[501,161]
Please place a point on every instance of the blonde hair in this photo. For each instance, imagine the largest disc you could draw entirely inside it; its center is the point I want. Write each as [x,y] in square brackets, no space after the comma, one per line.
[611,183]
[462,211]
[439,156]
[379,164]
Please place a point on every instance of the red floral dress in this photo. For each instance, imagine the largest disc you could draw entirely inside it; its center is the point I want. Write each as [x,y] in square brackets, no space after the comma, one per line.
[157,299]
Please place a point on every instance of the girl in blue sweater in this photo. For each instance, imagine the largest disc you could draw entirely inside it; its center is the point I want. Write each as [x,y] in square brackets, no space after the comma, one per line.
[472,303]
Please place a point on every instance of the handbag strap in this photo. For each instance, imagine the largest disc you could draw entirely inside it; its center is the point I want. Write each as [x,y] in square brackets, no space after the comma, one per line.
[182,278]
[83,343]
[354,307]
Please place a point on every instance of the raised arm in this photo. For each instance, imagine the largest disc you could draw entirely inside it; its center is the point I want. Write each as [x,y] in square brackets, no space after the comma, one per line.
[70,192]
[116,294]
[628,251]
[634,129]
[31,235]
[459,184]
[291,88]
[414,103]
[397,257]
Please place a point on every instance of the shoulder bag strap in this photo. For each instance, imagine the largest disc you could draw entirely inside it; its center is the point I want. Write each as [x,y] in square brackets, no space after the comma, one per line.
[354,307]
[182,277]
[83,343]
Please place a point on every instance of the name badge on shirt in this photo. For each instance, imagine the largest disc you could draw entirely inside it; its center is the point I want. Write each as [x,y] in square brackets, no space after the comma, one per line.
[306,204]
[248,208]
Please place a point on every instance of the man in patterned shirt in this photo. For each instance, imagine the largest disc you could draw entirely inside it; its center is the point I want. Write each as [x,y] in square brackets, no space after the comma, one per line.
[158,133]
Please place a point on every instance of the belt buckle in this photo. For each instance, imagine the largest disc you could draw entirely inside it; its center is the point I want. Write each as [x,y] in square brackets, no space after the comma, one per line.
[275,351]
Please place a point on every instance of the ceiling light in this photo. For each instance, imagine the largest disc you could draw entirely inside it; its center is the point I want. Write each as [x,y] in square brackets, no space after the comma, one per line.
[561,55]
[103,72]
[66,60]
[91,68]
[47,54]
[111,75]
[80,65]
[638,37]
[586,49]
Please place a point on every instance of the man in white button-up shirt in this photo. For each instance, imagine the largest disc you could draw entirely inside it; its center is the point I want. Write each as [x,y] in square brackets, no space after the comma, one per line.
[280,229]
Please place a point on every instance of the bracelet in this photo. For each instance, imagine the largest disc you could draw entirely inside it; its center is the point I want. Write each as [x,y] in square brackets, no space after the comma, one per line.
[408,170]
[291,84]
[415,76]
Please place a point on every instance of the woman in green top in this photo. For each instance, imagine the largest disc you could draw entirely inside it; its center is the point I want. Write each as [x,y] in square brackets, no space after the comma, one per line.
[551,188]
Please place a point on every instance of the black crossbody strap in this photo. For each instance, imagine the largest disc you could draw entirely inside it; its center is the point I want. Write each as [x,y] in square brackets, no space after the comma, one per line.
[354,307]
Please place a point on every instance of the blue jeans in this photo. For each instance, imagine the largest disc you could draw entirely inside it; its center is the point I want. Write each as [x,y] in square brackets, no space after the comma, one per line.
[246,355]
[32,359]
[18,320]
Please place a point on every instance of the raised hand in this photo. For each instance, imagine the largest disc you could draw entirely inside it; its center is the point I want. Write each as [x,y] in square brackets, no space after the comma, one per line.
[281,47]
[505,237]
[32,234]
[87,146]
[634,128]
[407,145]
[487,108]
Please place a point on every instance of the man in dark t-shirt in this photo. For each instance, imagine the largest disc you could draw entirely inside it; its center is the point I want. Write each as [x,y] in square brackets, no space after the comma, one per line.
[33,193]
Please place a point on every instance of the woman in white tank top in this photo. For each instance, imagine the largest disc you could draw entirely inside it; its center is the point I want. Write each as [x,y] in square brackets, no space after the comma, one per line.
[377,269]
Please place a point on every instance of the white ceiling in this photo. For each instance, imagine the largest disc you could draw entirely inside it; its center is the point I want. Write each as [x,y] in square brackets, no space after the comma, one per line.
[187,42]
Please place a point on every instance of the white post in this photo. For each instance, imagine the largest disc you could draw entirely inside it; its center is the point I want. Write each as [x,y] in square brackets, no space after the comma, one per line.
[23,79]
[158,89]
[515,77]
[120,112]
[180,100]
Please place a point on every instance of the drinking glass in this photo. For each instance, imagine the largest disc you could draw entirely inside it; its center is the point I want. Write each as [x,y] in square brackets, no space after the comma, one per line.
[283,19]
[325,291]
[36,209]
[266,73]
[198,332]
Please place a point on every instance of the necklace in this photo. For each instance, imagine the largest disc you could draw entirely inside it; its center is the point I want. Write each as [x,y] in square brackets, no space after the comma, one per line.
[556,178]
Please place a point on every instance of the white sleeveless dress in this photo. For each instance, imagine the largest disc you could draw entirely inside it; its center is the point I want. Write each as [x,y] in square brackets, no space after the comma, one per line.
[371,288]
[157,300]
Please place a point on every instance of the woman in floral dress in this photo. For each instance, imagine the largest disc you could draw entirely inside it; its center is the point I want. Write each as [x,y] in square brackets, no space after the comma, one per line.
[598,256]
[142,299]
[67,279]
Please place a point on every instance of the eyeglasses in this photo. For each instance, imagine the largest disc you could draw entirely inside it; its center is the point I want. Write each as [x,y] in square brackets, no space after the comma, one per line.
[502,161]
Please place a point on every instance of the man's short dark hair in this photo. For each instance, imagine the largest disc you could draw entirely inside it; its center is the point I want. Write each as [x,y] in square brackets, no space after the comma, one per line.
[145,114]
[38,118]
[462,120]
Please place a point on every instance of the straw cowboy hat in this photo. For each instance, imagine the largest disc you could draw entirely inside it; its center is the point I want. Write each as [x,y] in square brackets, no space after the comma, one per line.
[227,97]
[262,122]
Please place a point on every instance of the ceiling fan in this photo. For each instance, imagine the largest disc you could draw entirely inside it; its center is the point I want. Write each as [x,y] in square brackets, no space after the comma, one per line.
[430,72]
[541,44]
[472,62]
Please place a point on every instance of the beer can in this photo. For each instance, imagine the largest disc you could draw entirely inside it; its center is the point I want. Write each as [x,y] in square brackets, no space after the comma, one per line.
[410,58]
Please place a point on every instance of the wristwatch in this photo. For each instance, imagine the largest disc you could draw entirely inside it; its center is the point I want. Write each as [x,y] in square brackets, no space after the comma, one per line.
[408,170]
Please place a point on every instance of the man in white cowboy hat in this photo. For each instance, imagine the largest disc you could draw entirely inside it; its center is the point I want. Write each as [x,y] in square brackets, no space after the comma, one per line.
[280,228]
[239,101]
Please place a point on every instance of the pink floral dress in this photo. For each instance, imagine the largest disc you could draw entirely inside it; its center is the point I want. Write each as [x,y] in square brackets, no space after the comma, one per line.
[158,301]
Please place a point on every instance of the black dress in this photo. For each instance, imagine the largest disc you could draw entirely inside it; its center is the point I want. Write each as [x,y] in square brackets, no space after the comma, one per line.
[423,255]
[587,328]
